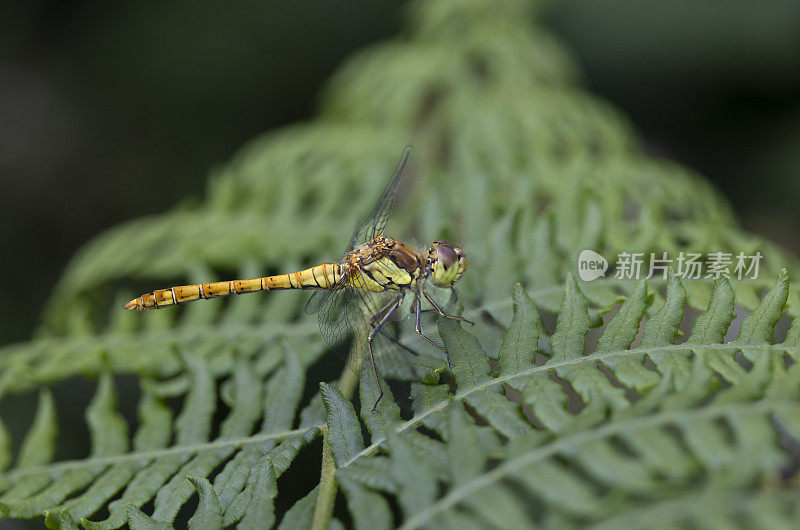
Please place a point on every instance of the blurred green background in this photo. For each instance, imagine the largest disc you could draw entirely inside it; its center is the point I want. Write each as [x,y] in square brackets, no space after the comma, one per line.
[111,112]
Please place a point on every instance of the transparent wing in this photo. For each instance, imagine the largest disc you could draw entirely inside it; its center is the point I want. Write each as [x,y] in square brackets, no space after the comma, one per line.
[345,315]
[369,227]
[341,322]
[348,315]
[375,223]
[317,300]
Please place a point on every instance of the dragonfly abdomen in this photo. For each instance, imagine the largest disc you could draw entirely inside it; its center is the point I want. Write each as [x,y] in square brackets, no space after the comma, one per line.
[318,277]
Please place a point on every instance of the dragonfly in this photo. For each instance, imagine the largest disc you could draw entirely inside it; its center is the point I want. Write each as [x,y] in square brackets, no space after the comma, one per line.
[358,295]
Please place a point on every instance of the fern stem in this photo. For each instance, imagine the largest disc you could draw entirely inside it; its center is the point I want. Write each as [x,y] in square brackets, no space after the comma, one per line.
[349,378]
[61,467]
[323,510]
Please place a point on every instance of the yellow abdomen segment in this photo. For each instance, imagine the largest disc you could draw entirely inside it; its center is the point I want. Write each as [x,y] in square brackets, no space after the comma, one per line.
[318,277]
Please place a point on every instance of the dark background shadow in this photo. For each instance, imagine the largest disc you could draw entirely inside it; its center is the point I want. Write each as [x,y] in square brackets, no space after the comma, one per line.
[109,113]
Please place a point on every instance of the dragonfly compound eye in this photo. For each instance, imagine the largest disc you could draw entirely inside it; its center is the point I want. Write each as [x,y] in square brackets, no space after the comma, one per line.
[448,264]
[446,255]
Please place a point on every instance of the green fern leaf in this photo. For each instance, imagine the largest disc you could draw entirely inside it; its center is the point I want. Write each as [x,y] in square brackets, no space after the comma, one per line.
[522,337]
[39,443]
[208,514]
[567,344]
[140,521]
[533,426]
[619,335]
[344,431]
[257,499]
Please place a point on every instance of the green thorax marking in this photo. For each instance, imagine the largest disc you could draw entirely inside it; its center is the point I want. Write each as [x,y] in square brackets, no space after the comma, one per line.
[385,265]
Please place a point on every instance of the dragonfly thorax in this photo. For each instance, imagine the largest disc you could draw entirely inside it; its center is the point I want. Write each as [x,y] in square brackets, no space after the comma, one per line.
[446,264]
[384,264]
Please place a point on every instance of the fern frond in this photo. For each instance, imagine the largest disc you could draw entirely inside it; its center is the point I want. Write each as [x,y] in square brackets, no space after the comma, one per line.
[583,435]
[569,403]
[684,432]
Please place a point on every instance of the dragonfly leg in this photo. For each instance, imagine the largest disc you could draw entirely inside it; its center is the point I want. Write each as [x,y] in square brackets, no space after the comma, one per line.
[374,319]
[441,311]
[399,344]
[392,307]
[418,327]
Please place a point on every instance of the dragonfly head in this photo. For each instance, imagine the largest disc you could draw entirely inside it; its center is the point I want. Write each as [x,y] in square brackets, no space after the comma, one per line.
[447,263]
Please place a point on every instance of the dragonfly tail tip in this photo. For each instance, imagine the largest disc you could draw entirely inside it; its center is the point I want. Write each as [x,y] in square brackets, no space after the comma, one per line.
[132,305]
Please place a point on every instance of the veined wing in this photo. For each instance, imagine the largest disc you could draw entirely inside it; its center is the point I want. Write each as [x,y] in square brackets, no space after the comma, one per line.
[372,225]
[345,315]
[346,318]
[375,223]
